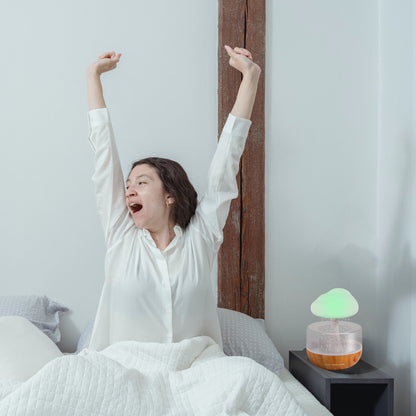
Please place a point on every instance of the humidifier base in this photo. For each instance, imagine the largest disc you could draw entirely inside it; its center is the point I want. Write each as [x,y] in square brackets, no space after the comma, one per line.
[334,362]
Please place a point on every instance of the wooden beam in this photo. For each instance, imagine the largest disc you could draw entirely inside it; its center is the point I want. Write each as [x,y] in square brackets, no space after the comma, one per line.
[241,257]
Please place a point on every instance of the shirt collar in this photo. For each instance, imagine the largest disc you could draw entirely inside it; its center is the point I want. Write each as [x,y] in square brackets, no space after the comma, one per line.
[177,229]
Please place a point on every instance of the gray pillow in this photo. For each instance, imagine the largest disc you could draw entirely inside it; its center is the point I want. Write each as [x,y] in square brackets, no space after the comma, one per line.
[245,336]
[241,335]
[40,310]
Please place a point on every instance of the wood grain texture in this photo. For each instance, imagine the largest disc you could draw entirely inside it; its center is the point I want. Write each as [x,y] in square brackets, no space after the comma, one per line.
[231,25]
[334,362]
[241,257]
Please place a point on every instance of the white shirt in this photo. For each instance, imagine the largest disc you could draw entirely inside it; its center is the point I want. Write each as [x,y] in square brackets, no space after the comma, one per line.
[153,295]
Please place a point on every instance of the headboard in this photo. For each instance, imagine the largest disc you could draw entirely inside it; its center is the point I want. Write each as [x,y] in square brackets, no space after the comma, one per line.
[241,257]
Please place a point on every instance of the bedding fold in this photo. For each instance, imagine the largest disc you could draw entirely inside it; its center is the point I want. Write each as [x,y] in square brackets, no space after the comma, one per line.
[191,377]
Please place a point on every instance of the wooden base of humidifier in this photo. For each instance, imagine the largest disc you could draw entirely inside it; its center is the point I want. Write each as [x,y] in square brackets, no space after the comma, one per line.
[334,362]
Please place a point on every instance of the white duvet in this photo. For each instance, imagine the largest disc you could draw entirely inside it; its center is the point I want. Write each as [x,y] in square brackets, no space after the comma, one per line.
[192,377]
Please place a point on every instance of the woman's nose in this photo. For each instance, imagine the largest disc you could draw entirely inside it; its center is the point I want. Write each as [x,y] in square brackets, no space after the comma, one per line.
[130,192]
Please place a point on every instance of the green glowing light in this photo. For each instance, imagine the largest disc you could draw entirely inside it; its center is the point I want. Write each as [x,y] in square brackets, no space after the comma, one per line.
[336,304]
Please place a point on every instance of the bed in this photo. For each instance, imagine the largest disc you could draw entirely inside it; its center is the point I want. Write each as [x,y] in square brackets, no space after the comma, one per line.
[191,377]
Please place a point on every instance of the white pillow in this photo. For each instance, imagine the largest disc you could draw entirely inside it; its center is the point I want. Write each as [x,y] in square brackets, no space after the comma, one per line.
[24,349]
[84,339]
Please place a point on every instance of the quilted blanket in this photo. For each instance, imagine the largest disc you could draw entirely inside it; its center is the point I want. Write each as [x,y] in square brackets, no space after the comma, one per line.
[192,377]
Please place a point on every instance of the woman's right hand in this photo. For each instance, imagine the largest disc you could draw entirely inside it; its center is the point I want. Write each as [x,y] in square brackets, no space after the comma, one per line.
[106,62]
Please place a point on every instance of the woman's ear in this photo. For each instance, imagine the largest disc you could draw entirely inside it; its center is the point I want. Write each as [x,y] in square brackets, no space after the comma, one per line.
[170,200]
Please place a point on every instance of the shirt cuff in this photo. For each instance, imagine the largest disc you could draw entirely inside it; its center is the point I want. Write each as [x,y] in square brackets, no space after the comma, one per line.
[237,125]
[97,117]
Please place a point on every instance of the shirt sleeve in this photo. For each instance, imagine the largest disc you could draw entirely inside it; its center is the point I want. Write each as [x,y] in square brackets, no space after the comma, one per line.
[212,211]
[108,177]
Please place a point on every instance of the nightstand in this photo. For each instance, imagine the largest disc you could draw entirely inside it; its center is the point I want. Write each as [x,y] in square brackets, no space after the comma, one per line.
[359,390]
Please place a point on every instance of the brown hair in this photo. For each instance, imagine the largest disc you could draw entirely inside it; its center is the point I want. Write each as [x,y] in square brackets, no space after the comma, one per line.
[176,182]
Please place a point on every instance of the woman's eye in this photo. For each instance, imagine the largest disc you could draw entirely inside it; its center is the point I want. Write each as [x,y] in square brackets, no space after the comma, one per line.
[137,183]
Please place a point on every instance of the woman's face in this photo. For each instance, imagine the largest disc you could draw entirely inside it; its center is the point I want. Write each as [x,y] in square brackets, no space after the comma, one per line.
[151,203]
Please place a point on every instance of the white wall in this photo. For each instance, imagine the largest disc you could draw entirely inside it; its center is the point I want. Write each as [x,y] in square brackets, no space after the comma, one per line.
[162,100]
[396,190]
[339,174]
[413,225]
[321,160]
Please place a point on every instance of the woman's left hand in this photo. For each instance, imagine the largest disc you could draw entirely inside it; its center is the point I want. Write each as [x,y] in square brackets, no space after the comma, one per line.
[241,60]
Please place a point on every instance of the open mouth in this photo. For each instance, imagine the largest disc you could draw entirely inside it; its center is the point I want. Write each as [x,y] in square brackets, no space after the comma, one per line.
[135,208]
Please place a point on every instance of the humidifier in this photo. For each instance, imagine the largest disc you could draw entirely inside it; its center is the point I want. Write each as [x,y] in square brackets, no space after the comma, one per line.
[334,343]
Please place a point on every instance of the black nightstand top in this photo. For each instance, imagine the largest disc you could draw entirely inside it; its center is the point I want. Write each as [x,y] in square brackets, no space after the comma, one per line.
[371,389]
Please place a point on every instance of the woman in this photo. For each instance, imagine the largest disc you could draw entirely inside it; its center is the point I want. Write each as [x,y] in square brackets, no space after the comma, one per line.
[162,243]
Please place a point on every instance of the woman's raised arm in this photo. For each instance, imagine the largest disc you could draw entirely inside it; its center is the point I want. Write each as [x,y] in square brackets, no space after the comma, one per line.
[242,60]
[106,62]
[108,174]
